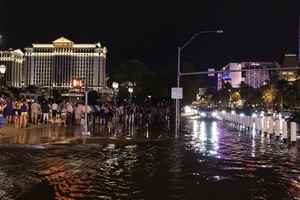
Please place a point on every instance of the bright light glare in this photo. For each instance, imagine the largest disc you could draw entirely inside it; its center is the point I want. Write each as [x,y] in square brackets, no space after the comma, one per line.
[203,114]
[214,114]
[223,112]
[187,109]
[242,114]
[233,112]
[254,115]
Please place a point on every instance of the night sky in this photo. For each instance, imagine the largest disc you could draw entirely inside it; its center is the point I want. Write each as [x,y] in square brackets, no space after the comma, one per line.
[150,31]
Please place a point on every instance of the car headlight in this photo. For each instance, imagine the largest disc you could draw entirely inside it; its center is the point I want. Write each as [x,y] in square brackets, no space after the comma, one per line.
[254,115]
[214,114]
[203,114]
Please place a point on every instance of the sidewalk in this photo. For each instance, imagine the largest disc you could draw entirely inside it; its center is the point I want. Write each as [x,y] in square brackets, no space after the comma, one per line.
[35,134]
[56,134]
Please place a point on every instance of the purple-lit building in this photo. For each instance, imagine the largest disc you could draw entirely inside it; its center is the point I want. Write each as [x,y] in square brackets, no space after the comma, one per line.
[254,74]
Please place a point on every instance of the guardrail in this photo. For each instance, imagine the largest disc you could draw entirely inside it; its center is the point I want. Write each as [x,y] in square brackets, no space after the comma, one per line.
[268,125]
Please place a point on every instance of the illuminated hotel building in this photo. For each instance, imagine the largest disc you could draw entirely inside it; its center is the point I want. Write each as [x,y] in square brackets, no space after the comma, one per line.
[13,60]
[57,64]
[256,74]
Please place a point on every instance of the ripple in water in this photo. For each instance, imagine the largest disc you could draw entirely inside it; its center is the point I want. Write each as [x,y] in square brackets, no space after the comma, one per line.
[209,161]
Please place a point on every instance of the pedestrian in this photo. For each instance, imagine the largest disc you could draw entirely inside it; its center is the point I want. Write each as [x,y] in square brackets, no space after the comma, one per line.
[70,110]
[45,110]
[35,110]
[54,111]
[8,111]
[78,112]
[24,114]
[17,113]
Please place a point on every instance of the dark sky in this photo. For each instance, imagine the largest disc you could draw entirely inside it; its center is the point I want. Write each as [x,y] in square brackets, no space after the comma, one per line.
[150,31]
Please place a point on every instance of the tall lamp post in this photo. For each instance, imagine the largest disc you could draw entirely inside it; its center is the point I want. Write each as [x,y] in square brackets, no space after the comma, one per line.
[115,86]
[130,90]
[180,49]
[2,72]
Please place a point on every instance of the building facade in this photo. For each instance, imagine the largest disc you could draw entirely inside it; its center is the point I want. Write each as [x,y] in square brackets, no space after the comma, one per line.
[13,60]
[56,65]
[255,74]
[289,61]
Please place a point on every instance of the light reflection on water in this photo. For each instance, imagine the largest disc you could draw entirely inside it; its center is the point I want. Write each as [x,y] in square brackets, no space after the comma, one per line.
[206,136]
[211,160]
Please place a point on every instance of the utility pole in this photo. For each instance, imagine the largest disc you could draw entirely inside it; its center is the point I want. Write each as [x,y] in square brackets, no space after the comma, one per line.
[179,74]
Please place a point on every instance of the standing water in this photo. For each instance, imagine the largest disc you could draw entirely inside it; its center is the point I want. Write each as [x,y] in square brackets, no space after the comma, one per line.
[209,161]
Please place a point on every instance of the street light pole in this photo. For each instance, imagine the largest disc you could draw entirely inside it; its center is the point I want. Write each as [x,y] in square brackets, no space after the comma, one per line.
[177,120]
[86,111]
[130,90]
[177,101]
[115,86]
[2,73]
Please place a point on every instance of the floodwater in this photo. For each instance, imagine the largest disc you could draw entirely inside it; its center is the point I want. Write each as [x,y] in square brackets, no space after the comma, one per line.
[210,160]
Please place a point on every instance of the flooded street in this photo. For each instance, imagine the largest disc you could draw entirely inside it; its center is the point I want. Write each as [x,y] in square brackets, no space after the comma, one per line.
[210,160]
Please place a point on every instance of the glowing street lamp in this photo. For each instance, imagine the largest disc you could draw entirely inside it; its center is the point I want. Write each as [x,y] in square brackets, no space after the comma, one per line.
[2,69]
[180,49]
[130,90]
[115,86]
[77,83]
[2,72]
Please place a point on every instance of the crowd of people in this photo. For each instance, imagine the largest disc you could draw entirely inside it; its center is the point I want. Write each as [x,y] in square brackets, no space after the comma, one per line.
[27,112]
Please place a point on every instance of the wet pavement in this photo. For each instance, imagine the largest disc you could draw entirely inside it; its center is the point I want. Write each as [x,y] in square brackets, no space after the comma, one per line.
[55,134]
[210,160]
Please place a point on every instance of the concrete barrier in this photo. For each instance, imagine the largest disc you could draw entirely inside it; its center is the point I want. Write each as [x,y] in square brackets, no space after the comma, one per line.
[284,131]
[270,125]
[265,125]
[257,124]
[293,132]
[277,128]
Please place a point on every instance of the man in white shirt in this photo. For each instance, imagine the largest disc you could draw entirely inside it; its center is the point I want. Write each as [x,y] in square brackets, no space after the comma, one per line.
[35,110]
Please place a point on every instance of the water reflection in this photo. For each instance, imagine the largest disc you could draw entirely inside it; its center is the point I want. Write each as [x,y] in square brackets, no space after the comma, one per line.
[211,160]
[206,136]
[54,134]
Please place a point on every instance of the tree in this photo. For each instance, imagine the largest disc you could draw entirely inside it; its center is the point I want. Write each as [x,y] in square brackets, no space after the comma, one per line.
[250,95]
[223,95]
[286,93]
[269,95]
[146,81]
[235,96]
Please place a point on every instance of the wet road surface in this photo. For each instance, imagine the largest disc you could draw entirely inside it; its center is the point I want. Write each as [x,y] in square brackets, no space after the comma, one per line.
[210,160]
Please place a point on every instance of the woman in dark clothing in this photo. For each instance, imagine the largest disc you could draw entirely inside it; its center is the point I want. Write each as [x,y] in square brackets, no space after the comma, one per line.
[24,115]
[9,111]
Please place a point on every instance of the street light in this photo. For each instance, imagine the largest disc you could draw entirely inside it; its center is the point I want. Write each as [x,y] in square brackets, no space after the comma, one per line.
[130,90]
[177,120]
[2,72]
[2,69]
[115,86]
